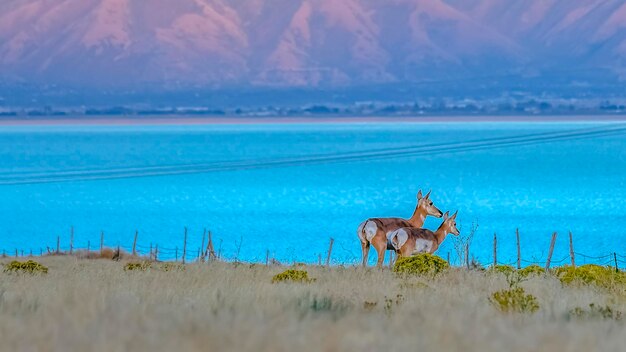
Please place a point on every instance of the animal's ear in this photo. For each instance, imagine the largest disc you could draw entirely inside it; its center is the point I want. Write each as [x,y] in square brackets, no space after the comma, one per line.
[455,214]
[446,216]
[428,194]
[419,194]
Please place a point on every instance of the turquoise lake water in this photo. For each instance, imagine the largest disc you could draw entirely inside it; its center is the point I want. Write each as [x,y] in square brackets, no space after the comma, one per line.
[288,188]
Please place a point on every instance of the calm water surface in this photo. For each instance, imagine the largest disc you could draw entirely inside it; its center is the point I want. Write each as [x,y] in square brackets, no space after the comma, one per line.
[293,209]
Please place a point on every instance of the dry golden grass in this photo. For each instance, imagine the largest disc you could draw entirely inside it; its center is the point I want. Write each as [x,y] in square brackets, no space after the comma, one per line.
[94,305]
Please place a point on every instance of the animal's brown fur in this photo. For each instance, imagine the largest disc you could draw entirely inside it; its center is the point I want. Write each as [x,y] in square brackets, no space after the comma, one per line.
[384,226]
[408,248]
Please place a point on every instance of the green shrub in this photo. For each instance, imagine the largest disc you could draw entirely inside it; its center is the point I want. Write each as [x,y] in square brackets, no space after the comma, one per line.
[503,269]
[595,312]
[336,308]
[422,264]
[30,267]
[590,274]
[531,270]
[292,275]
[369,305]
[171,267]
[137,266]
[514,300]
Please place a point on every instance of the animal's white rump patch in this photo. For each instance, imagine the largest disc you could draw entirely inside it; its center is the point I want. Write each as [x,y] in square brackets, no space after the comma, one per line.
[370,230]
[397,238]
[359,231]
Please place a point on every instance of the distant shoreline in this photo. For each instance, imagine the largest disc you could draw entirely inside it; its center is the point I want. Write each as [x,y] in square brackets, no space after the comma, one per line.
[172,120]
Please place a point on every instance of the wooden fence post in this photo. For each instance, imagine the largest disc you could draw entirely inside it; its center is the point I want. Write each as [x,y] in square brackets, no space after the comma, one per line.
[467,256]
[101,242]
[88,246]
[58,244]
[4,253]
[201,252]
[210,251]
[185,245]
[17,254]
[449,259]
[550,251]
[156,252]
[150,251]
[571,250]
[319,259]
[519,251]
[267,257]
[495,249]
[176,260]
[135,243]
[71,240]
[615,258]
[330,250]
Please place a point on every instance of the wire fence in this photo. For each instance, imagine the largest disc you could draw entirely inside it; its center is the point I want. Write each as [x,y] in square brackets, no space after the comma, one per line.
[336,254]
[21,178]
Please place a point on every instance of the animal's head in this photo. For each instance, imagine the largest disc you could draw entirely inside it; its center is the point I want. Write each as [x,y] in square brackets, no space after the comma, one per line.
[449,223]
[426,204]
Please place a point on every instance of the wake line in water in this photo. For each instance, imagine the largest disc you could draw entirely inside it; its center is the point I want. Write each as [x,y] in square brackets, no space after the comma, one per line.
[315,159]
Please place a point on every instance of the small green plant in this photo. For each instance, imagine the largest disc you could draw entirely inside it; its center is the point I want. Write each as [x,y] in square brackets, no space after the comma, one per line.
[369,305]
[137,266]
[503,269]
[422,264]
[514,300]
[531,270]
[29,267]
[292,275]
[595,312]
[390,303]
[590,274]
[171,267]
[313,304]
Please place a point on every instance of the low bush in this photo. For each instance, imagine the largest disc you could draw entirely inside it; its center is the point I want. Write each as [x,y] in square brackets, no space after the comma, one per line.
[422,264]
[590,274]
[292,275]
[323,305]
[503,269]
[171,267]
[531,270]
[595,312]
[137,266]
[29,267]
[514,300]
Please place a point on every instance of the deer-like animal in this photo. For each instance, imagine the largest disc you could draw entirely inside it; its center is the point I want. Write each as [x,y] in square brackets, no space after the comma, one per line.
[409,241]
[376,231]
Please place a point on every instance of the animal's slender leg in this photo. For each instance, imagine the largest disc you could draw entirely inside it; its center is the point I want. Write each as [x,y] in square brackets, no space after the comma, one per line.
[381,256]
[365,247]
[380,244]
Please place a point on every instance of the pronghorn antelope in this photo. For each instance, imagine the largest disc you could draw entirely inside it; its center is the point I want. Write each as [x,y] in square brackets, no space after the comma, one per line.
[376,231]
[408,241]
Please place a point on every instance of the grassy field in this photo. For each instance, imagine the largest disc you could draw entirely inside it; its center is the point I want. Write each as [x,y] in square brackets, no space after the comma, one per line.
[95,305]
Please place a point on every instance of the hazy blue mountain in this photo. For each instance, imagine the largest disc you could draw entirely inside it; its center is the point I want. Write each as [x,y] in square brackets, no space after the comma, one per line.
[306,43]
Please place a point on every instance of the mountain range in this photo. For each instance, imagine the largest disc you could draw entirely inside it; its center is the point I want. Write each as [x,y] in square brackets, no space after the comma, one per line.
[306,43]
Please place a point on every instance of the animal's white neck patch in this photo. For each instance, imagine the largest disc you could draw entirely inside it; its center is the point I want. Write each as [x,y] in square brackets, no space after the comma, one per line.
[422,246]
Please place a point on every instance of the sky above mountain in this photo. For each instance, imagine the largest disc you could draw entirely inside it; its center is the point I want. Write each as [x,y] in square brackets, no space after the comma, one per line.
[304,43]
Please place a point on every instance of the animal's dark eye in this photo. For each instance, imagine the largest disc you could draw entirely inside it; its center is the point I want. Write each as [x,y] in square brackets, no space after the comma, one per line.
[431,203]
